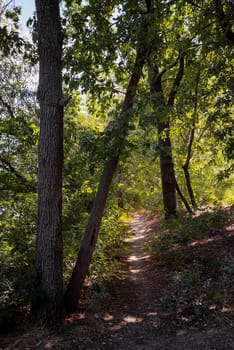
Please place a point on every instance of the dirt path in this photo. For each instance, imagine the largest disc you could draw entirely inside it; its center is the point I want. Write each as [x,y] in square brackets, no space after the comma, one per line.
[132,319]
[140,262]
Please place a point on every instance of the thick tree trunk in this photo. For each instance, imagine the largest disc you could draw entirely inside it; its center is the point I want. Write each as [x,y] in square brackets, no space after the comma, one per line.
[166,160]
[48,303]
[167,170]
[72,295]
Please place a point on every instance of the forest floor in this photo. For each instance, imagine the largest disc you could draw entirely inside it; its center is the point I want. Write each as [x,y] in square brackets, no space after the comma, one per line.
[148,308]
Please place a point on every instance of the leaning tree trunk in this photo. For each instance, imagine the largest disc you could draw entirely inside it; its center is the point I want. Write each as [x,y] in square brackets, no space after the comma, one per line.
[48,304]
[182,197]
[72,295]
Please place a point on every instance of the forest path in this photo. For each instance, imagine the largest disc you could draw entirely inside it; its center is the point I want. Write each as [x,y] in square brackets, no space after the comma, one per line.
[132,318]
[141,280]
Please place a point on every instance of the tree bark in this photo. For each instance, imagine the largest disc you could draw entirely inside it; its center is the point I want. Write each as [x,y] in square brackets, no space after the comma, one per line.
[186,169]
[190,145]
[166,159]
[48,301]
[167,170]
[72,295]
[184,200]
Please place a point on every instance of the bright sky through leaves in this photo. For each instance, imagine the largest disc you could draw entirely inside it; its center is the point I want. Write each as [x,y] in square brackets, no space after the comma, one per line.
[27,10]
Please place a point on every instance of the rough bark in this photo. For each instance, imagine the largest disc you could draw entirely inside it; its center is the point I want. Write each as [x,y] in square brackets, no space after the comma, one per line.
[166,159]
[48,301]
[72,295]
[167,170]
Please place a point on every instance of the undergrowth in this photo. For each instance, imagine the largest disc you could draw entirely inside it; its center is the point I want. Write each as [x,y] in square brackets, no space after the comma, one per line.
[200,256]
[106,266]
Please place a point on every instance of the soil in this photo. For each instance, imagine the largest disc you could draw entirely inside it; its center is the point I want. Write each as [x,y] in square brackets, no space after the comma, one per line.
[133,317]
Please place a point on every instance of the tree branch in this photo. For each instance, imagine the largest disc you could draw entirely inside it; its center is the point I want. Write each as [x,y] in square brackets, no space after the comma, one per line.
[5,7]
[177,80]
[192,133]
[10,168]
[158,76]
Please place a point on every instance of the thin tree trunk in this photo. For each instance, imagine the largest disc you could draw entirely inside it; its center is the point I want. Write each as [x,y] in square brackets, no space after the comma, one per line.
[48,302]
[186,170]
[190,145]
[184,200]
[72,295]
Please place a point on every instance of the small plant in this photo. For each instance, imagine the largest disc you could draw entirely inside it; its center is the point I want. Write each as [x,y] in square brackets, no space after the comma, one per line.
[99,293]
[168,303]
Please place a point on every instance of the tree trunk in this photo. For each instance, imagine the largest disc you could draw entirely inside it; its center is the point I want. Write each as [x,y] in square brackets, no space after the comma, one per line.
[186,167]
[189,185]
[190,145]
[72,295]
[48,303]
[184,200]
[167,170]
[166,159]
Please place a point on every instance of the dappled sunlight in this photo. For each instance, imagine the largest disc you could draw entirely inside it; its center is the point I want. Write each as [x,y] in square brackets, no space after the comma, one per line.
[75,316]
[128,319]
[108,317]
[132,319]
[152,314]
[226,309]
[143,306]
[207,240]
[49,344]
[135,238]
[134,271]
[138,258]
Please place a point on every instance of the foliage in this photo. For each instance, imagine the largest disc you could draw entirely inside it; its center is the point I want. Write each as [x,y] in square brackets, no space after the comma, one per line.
[19,131]
[110,246]
[106,267]
[199,280]
[99,51]
[179,233]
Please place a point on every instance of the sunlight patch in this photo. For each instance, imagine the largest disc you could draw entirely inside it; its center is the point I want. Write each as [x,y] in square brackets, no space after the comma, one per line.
[50,344]
[132,319]
[152,314]
[135,270]
[108,317]
[76,316]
